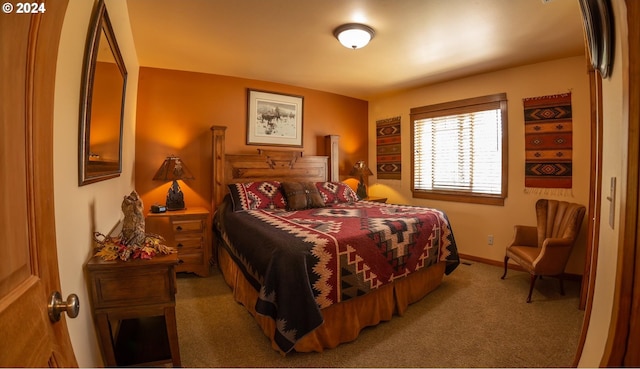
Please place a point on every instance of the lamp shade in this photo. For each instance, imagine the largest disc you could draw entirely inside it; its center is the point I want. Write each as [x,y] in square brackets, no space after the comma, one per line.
[360,169]
[172,168]
[354,35]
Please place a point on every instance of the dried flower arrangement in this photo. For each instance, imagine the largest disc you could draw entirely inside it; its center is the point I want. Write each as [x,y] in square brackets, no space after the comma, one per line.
[112,248]
[132,242]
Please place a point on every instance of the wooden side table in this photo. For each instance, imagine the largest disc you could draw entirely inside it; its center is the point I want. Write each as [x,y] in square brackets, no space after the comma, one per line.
[187,231]
[133,305]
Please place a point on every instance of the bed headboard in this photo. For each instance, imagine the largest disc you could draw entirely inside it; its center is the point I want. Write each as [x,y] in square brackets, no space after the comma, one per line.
[281,165]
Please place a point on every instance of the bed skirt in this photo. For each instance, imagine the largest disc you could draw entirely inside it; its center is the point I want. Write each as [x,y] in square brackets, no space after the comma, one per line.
[343,321]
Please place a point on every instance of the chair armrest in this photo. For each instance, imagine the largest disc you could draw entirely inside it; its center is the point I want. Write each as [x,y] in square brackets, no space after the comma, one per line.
[525,236]
[554,256]
[557,242]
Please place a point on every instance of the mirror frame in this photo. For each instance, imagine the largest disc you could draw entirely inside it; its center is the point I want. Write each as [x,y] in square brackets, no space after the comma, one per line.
[100,24]
[598,26]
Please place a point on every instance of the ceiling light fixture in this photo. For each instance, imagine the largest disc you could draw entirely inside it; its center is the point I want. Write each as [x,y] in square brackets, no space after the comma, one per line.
[354,35]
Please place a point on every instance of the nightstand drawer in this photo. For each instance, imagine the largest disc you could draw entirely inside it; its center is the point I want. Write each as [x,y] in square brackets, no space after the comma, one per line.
[184,226]
[112,289]
[189,259]
[183,244]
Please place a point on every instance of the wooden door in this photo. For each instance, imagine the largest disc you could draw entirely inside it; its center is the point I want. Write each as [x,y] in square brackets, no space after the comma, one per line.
[28,262]
[624,331]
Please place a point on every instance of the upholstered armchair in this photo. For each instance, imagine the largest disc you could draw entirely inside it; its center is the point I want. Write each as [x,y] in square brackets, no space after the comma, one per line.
[544,250]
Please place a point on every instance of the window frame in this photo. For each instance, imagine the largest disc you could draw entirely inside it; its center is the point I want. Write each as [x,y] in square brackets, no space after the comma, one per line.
[495,101]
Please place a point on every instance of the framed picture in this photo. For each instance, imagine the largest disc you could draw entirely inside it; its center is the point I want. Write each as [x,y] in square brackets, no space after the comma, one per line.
[274,119]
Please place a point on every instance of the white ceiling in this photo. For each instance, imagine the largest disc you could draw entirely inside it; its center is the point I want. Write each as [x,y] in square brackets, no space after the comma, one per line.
[417,42]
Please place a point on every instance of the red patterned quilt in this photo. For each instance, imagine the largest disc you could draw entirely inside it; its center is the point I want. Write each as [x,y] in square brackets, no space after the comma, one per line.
[303,261]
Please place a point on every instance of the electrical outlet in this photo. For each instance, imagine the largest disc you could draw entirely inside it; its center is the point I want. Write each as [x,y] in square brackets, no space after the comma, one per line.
[490,239]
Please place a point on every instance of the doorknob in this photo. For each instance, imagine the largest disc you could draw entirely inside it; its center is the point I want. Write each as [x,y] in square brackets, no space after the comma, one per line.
[57,306]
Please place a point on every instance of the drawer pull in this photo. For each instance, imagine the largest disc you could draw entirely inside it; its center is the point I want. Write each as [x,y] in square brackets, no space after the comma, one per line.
[180,245]
[178,228]
[180,261]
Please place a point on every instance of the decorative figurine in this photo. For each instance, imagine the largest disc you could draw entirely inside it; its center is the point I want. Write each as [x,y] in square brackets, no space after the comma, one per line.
[133,232]
[132,242]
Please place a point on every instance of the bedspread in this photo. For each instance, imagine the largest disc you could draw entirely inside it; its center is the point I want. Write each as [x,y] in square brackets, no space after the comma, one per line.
[302,261]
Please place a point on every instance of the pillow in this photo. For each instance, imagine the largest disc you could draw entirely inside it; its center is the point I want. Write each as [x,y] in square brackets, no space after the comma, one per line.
[257,195]
[336,192]
[302,195]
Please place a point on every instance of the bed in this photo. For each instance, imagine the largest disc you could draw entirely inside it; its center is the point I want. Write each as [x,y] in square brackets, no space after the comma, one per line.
[311,263]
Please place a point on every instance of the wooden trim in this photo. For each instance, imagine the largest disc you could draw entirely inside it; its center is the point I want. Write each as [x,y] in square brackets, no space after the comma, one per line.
[595,189]
[459,106]
[496,101]
[217,161]
[624,338]
[516,267]
[332,149]
[490,262]
[594,216]
[459,197]
[632,355]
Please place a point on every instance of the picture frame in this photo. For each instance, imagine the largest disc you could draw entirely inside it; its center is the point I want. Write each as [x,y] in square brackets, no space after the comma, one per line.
[274,119]
[102,102]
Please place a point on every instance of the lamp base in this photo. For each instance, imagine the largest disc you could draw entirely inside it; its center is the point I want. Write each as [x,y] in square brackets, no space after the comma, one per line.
[175,197]
[361,191]
[175,208]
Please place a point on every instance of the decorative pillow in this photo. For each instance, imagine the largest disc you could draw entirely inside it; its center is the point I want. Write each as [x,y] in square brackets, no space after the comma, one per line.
[336,192]
[302,195]
[257,195]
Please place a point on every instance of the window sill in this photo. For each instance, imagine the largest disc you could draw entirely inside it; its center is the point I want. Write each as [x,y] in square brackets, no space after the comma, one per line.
[460,197]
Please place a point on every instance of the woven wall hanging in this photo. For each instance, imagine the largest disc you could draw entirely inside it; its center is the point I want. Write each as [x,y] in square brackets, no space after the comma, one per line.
[548,141]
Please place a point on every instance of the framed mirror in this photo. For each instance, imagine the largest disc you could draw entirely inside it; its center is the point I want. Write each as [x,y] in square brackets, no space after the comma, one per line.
[598,25]
[104,83]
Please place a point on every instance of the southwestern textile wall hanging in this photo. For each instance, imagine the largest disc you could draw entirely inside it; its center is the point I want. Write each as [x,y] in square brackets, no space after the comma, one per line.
[388,144]
[548,141]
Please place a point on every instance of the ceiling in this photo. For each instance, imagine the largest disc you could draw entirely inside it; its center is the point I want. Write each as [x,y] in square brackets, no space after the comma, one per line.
[417,42]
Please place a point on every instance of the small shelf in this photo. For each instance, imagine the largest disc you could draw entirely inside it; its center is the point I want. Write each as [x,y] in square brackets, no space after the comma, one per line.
[142,341]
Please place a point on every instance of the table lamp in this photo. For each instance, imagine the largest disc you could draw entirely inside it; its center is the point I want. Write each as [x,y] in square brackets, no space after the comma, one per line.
[173,169]
[360,169]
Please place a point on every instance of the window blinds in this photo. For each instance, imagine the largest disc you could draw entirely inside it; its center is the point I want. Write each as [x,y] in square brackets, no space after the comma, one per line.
[459,152]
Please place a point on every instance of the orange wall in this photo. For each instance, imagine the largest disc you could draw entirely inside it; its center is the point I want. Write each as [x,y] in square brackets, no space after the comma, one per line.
[176,110]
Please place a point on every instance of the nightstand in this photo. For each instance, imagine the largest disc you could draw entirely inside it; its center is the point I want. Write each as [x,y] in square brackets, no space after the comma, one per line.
[375,199]
[188,232]
[133,305]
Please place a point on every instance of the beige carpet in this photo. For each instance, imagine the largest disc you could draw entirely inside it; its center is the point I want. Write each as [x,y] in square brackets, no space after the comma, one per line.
[473,319]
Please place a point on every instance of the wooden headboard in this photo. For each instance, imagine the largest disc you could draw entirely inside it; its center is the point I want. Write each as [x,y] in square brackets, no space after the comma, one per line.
[281,165]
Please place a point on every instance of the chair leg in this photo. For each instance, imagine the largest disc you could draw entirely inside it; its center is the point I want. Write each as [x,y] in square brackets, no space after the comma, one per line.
[506,260]
[561,284]
[533,282]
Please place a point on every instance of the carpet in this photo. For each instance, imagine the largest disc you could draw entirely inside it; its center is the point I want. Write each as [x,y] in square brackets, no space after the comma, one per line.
[388,145]
[548,141]
[473,319]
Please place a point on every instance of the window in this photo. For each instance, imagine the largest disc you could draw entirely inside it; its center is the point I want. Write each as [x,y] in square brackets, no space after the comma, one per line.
[460,150]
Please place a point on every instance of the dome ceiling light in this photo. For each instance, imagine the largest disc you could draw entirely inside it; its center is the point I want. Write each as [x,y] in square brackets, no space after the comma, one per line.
[354,35]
